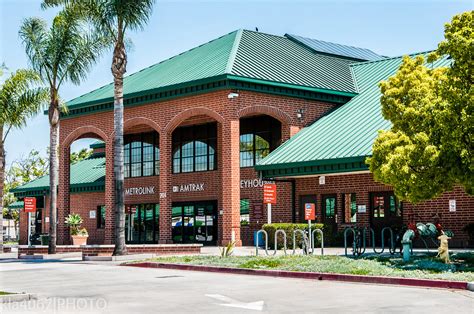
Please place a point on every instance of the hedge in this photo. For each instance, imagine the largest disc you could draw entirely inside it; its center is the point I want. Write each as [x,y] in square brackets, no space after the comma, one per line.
[288,228]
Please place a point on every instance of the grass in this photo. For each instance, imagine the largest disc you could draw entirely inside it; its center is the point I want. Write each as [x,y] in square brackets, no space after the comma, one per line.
[426,267]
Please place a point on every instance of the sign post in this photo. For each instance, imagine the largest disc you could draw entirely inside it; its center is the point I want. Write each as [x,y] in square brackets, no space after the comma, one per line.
[309,214]
[269,198]
[29,204]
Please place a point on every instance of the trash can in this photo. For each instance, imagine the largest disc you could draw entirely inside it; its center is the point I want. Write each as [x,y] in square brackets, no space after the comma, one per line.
[260,239]
[44,238]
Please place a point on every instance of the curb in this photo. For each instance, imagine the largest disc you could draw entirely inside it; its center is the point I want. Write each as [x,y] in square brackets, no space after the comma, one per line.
[426,283]
[131,257]
[17,297]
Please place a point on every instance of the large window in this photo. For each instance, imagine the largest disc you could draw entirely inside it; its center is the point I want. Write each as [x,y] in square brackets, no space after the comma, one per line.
[141,155]
[194,148]
[258,137]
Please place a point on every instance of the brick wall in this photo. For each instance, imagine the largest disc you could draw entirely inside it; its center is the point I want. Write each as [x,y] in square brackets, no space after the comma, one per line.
[363,185]
[163,117]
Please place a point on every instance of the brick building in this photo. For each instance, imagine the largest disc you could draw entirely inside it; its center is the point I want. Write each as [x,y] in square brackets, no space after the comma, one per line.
[196,126]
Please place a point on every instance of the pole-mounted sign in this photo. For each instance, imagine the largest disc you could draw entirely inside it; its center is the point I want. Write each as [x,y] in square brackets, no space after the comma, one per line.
[269,198]
[309,211]
[309,214]
[29,205]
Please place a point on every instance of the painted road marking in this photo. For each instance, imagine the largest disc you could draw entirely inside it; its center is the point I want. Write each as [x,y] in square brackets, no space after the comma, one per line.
[256,306]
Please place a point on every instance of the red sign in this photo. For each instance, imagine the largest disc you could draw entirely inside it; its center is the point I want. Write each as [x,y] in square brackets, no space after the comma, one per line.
[29,204]
[269,193]
[309,211]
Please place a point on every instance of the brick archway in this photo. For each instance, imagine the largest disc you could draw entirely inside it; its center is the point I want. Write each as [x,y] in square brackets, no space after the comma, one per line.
[189,113]
[83,130]
[273,112]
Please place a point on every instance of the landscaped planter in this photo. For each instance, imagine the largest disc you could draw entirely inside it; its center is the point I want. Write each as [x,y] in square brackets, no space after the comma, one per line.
[79,240]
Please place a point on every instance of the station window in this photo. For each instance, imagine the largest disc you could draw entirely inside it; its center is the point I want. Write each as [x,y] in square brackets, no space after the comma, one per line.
[100,217]
[141,155]
[258,137]
[194,148]
[350,208]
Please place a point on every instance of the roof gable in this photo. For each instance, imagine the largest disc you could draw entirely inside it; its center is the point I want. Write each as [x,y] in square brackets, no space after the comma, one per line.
[346,134]
[240,54]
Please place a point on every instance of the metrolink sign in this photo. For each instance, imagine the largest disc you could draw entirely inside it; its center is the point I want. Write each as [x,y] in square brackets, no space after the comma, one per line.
[142,190]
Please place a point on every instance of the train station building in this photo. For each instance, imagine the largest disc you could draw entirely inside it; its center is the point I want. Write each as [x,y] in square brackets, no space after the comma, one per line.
[205,129]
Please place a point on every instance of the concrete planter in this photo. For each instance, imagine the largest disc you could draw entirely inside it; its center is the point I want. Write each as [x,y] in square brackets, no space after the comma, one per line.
[79,240]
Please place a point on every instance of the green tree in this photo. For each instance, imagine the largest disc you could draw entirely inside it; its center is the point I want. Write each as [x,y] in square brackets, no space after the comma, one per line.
[113,18]
[22,171]
[80,155]
[20,98]
[430,146]
[64,52]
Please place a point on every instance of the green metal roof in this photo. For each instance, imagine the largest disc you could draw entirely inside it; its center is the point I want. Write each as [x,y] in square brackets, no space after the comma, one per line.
[341,140]
[241,55]
[85,174]
[355,53]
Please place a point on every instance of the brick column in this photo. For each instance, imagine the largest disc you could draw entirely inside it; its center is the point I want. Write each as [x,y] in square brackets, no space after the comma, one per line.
[63,204]
[230,181]
[288,131]
[109,193]
[165,188]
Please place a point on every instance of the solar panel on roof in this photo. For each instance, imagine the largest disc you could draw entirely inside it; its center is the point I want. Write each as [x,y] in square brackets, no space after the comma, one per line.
[336,49]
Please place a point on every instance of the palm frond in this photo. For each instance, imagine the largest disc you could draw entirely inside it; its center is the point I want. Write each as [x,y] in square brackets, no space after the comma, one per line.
[20,98]
[34,35]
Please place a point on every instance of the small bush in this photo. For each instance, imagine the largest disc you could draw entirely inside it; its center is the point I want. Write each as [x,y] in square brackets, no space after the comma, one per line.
[289,228]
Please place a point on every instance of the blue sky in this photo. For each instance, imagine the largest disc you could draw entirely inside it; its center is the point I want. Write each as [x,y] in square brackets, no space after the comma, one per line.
[387,27]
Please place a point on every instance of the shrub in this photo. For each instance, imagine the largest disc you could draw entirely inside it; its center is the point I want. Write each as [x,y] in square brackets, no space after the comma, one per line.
[289,228]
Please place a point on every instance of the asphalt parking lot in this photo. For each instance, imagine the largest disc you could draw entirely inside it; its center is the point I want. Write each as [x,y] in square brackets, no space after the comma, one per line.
[78,287]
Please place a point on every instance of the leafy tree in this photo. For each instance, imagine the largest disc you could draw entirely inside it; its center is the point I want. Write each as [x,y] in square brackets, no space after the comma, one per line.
[113,18]
[64,52]
[20,98]
[430,146]
[22,171]
[80,155]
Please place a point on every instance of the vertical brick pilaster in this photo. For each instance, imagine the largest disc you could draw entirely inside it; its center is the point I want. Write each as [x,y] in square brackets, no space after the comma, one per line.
[63,196]
[230,182]
[288,131]
[165,188]
[109,193]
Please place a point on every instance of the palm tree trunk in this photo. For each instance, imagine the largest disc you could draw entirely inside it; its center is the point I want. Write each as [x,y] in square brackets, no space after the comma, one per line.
[53,169]
[2,175]
[119,64]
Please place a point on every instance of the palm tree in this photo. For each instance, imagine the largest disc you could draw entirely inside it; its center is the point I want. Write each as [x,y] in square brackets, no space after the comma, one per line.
[20,98]
[113,18]
[64,52]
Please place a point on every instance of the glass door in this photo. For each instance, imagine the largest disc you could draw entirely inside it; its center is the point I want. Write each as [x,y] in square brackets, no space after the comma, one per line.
[142,223]
[385,212]
[329,211]
[194,222]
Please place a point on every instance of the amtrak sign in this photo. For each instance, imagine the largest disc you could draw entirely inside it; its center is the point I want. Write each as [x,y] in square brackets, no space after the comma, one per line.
[190,187]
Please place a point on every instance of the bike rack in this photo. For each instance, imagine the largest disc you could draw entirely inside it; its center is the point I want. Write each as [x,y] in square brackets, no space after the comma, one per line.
[266,242]
[391,249]
[322,240]
[276,241]
[356,249]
